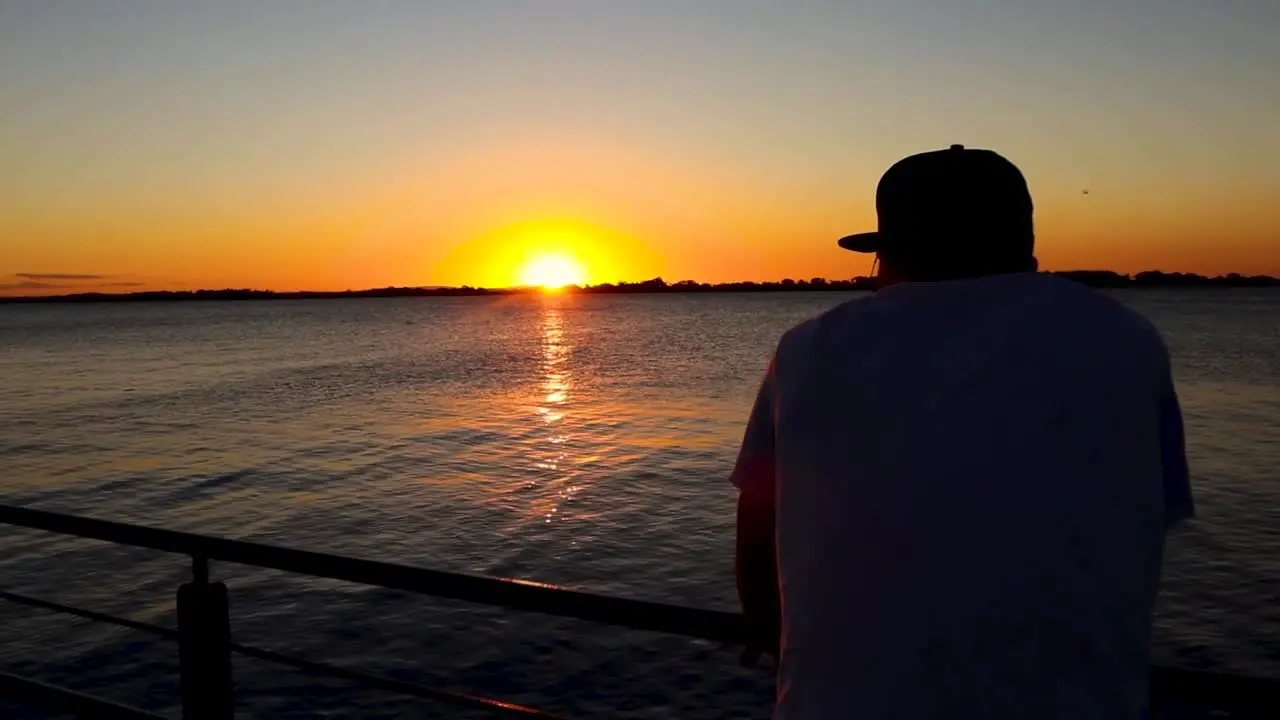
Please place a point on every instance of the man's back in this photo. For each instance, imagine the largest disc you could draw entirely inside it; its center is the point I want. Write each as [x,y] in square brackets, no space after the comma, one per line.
[971,502]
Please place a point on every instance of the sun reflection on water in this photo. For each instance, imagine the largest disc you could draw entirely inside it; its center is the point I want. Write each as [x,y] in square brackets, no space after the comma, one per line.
[553,450]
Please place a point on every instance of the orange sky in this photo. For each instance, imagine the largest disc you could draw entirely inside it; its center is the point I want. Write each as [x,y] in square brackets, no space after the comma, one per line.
[246,146]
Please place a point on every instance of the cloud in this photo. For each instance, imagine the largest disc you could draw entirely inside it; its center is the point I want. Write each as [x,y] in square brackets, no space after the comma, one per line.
[73,282]
[31,285]
[59,276]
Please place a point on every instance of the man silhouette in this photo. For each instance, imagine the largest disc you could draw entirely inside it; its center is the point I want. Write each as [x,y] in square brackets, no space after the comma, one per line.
[954,493]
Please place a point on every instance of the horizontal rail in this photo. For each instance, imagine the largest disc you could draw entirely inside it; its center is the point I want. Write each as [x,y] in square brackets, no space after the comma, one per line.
[1248,697]
[512,594]
[377,681]
[1169,685]
[164,632]
[69,700]
[400,686]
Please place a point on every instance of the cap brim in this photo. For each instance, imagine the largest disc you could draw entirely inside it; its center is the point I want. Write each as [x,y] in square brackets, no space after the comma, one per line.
[867,242]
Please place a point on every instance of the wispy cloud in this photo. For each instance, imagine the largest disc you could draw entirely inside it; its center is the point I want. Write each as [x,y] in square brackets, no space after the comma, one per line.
[31,285]
[60,276]
[68,282]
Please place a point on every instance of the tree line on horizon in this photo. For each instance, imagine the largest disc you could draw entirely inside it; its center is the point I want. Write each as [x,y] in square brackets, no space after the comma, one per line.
[1093,278]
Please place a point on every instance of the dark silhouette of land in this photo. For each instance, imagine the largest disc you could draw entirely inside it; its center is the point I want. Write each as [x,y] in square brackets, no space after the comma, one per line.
[1092,278]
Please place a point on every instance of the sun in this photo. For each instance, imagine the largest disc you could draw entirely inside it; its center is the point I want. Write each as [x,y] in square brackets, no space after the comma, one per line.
[552,271]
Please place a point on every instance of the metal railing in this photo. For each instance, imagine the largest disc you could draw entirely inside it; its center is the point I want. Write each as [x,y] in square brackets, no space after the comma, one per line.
[205,646]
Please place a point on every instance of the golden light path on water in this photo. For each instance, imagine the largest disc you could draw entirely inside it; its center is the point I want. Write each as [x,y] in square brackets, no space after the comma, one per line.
[557,383]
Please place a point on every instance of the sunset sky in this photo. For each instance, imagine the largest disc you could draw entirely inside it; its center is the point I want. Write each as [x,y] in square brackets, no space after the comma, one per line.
[332,144]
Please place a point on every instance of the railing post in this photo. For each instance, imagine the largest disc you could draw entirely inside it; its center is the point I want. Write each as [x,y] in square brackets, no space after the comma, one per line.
[204,647]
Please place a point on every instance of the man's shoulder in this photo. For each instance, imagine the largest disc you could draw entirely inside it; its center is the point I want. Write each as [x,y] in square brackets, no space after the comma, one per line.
[1099,308]
[803,333]
[1062,304]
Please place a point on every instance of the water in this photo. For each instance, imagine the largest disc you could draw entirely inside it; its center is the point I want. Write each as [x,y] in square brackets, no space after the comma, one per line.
[573,440]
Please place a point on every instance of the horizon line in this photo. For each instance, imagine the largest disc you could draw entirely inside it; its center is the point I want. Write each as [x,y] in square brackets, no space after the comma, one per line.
[1095,278]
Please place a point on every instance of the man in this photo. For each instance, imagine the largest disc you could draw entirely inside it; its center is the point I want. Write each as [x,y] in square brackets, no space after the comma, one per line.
[965,479]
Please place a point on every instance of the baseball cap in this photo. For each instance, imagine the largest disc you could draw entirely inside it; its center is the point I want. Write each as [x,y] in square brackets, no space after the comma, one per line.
[951,201]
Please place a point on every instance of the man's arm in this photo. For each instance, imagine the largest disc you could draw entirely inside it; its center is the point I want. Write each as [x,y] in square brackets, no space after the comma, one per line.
[757,571]
[1178,503]
[756,560]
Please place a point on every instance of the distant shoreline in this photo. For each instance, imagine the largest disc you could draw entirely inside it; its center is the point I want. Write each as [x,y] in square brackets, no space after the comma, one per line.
[1092,278]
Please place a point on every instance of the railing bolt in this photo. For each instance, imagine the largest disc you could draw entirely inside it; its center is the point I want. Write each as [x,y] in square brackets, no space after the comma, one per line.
[204,646]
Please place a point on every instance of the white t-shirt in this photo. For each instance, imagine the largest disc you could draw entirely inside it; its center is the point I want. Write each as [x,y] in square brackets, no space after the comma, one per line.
[973,480]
